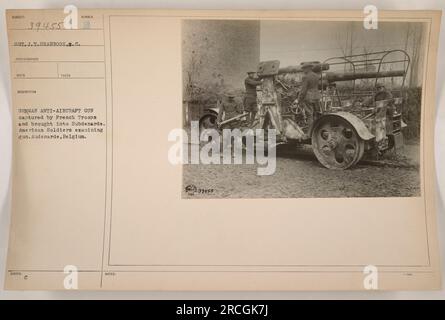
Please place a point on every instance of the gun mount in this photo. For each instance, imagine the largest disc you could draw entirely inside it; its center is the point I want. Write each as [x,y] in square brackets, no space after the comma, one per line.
[351,119]
[359,116]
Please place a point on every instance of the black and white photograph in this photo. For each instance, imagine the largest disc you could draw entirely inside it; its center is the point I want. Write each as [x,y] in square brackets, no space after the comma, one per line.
[331,108]
[222,151]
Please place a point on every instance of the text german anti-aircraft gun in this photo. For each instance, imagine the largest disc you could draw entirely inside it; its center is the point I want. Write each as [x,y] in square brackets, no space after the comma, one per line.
[352,120]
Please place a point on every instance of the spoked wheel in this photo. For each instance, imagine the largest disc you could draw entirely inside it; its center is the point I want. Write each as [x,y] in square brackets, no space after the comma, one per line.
[208,121]
[336,143]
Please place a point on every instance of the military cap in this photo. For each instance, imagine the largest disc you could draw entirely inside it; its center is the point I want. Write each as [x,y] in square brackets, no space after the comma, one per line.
[249,72]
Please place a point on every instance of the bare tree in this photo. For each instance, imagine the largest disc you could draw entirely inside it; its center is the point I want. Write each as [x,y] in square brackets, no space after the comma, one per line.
[367,66]
[413,44]
[345,42]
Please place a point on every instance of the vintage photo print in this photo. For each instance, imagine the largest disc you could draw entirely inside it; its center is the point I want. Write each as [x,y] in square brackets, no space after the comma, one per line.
[295,109]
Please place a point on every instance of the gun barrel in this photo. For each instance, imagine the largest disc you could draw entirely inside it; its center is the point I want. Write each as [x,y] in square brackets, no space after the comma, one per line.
[347,76]
[271,68]
[295,69]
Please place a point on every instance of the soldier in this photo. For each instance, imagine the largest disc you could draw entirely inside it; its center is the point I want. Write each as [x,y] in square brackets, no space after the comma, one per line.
[331,97]
[309,94]
[382,93]
[229,108]
[250,97]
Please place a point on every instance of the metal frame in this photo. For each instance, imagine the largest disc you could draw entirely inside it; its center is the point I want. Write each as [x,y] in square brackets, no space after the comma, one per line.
[378,58]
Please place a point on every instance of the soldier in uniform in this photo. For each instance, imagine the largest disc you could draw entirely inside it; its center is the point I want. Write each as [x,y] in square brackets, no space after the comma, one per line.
[309,94]
[229,108]
[382,93]
[250,97]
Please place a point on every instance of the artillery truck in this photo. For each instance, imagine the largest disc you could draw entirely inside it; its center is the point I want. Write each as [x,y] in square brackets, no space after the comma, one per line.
[351,120]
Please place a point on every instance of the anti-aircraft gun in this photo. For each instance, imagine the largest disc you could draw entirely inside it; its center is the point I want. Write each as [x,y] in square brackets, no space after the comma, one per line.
[353,118]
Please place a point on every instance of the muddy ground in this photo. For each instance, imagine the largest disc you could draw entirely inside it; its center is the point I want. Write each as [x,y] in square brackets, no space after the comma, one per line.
[299,175]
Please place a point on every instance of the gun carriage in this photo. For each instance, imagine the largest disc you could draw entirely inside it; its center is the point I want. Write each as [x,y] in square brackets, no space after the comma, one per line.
[352,118]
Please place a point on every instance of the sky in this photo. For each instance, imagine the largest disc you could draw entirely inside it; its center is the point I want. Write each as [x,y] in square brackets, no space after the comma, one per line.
[293,42]
[227,49]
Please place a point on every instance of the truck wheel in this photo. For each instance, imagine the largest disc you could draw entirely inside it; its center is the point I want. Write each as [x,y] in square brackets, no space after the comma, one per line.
[336,143]
[208,121]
